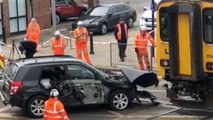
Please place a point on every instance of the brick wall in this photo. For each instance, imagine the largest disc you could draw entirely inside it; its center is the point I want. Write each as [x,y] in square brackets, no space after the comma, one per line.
[42,12]
[6,22]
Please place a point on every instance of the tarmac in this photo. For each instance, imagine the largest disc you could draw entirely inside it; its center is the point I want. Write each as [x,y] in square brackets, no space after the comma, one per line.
[101,56]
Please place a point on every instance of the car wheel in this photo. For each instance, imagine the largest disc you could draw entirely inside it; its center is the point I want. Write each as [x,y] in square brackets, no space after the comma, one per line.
[35,106]
[118,100]
[130,23]
[103,29]
[58,19]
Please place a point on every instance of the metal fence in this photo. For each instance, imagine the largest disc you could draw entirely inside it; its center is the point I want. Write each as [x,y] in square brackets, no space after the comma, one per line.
[131,57]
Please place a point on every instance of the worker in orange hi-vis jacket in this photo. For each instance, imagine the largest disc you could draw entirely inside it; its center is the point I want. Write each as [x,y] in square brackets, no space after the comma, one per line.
[54,108]
[33,31]
[141,42]
[81,39]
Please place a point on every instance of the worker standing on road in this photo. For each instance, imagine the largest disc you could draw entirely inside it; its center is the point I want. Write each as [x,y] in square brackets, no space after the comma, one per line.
[58,44]
[121,35]
[53,108]
[141,41]
[81,39]
[33,32]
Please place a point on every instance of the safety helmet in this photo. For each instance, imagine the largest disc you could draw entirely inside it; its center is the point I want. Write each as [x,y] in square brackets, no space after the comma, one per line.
[80,23]
[143,28]
[54,93]
[57,32]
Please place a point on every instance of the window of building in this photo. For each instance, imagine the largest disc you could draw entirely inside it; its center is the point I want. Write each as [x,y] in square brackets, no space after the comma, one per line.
[17,14]
[208,25]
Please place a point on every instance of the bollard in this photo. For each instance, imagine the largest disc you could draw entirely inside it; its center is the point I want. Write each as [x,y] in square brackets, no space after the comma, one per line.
[91,43]
[152,54]
[4,34]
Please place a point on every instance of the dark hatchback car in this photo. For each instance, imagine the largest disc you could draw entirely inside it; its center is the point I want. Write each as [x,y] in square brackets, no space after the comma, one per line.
[27,83]
[104,17]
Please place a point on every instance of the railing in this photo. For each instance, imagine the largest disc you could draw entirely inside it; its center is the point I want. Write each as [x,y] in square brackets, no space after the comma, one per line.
[131,56]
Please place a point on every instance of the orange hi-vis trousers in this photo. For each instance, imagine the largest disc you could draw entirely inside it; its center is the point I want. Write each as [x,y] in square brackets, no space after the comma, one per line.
[80,49]
[143,58]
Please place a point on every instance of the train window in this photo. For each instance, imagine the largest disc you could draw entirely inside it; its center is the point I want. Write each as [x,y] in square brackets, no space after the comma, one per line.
[208,25]
[163,24]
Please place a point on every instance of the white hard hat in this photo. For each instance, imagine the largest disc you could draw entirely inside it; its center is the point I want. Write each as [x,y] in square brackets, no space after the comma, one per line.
[80,23]
[54,93]
[143,28]
[57,32]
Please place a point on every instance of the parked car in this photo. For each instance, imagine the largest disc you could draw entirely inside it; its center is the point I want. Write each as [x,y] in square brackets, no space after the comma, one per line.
[104,17]
[68,8]
[27,83]
[146,17]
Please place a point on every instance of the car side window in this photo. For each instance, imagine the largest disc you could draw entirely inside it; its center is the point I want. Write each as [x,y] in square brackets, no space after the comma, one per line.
[119,8]
[58,2]
[56,73]
[79,72]
[112,10]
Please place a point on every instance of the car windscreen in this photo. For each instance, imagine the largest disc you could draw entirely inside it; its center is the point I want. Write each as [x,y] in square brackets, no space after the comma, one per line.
[99,11]
[11,71]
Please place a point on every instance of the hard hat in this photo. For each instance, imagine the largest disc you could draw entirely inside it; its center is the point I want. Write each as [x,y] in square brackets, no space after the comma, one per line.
[80,23]
[143,28]
[57,32]
[54,93]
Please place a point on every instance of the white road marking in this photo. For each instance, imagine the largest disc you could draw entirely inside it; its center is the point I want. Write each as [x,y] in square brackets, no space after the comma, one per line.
[5,108]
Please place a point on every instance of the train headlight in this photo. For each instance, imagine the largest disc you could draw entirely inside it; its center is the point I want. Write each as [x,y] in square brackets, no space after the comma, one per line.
[209,65]
[164,63]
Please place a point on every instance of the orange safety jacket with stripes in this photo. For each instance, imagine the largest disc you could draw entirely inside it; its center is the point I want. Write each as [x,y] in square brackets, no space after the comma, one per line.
[119,36]
[58,46]
[33,32]
[81,35]
[141,41]
[54,110]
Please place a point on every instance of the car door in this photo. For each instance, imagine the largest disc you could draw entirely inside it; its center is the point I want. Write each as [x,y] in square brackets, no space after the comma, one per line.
[73,8]
[86,89]
[64,8]
[120,12]
[112,17]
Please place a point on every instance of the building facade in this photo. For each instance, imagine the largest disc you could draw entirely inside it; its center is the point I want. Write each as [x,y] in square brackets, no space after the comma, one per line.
[15,15]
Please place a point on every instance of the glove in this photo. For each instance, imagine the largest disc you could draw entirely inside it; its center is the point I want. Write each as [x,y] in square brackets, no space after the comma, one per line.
[136,50]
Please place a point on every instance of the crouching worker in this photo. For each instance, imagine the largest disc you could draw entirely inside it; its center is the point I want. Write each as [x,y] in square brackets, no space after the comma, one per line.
[53,108]
[28,48]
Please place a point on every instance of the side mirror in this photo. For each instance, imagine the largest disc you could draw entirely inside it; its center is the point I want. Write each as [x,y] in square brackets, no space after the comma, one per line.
[145,8]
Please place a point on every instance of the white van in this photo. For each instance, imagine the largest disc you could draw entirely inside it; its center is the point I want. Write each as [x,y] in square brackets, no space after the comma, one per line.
[146,17]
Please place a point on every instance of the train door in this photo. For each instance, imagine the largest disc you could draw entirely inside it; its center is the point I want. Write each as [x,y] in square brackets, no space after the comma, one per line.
[184,41]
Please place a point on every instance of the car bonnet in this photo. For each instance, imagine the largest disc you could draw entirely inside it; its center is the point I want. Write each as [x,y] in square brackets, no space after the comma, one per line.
[139,77]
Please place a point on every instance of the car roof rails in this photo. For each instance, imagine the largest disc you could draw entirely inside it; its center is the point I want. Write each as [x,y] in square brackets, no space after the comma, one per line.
[48,56]
[114,3]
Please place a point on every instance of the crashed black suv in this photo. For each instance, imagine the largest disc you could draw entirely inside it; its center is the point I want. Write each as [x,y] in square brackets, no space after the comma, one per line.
[27,83]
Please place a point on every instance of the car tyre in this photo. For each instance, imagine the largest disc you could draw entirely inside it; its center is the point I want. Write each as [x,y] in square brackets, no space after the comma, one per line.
[118,100]
[58,19]
[103,29]
[131,22]
[35,106]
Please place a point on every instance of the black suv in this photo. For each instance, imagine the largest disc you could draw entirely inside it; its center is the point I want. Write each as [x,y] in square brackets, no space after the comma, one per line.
[104,17]
[27,83]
